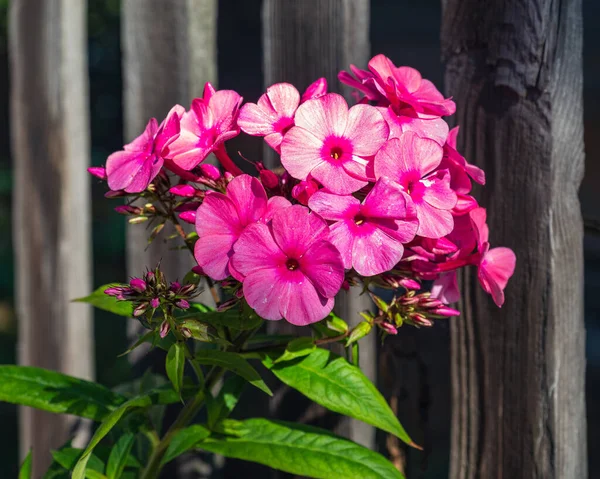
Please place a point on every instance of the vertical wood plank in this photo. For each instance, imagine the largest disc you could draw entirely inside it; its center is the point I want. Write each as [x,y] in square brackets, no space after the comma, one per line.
[51,212]
[515,70]
[168,55]
[302,41]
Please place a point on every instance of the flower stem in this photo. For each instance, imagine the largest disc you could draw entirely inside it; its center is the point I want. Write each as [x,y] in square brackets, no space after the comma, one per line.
[227,162]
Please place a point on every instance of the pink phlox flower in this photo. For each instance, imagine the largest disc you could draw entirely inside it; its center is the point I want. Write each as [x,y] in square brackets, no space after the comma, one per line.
[402,88]
[315,90]
[496,265]
[222,218]
[272,116]
[332,143]
[210,121]
[445,288]
[303,191]
[289,269]
[369,235]
[460,169]
[435,129]
[412,161]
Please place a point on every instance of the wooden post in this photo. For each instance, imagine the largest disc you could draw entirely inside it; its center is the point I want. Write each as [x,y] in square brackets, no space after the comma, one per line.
[302,41]
[515,71]
[51,211]
[168,55]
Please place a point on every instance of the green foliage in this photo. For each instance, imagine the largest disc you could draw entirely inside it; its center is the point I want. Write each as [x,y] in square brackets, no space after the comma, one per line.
[108,303]
[55,392]
[296,349]
[185,440]
[224,403]
[238,318]
[118,456]
[175,365]
[331,381]
[25,471]
[234,363]
[298,449]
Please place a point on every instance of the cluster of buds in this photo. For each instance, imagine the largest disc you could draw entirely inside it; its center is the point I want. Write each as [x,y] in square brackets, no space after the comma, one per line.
[152,292]
[410,308]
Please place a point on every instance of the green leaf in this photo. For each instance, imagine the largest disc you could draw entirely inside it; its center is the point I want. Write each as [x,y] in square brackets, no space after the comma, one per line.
[108,303]
[234,363]
[67,457]
[175,365]
[104,428]
[202,332]
[238,318]
[299,449]
[146,338]
[118,456]
[185,440]
[332,382]
[25,470]
[55,392]
[296,349]
[220,407]
[336,323]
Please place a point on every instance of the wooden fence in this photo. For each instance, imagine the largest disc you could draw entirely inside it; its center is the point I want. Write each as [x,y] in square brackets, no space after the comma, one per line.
[515,71]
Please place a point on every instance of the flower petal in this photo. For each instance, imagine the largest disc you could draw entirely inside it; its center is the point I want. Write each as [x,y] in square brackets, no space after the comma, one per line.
[256,121]
[433,223]
[334,207]
[367,130]
[324,116]
[212,252]
[335,178]
[284,98]
[295,229]
[256,249]
[323,265]
[495,269]
[300,152]
[264,291]
[249,197]
[301,304]
[375,253]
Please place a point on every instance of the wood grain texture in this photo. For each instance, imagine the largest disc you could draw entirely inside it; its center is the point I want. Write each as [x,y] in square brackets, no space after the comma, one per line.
[51,210]
[168,55]
[515,70]
[303,41]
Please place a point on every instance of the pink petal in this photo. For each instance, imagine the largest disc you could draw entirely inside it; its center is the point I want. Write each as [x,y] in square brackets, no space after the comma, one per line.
[433,223]
[409,77]
[342,238]
[274,204]
[478,220]
[438,192]
[264,292]
[324,116]
[495,269]
[375,253]
[295,229]
[274,141]
[315,90]
[224,106]
[249,197]
[300,152]
[302,304]
[284,98]
[199,118]
[382,67]
[217,215]
[387,200]
[445,288]
[256,249]
[131,171]
[212,252]
[435,129]
[367,130]
[141,142]
[169,130]
[323,265]
[256,121]
[334,207]
[335,178]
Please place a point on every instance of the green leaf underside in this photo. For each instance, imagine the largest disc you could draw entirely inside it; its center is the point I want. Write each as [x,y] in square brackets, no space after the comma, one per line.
[184,441]
[175,365]
[224,403]
[332,382]
[25,470]
[55,392]
[111,420]
[232,318]
[118,456]
[299,449]
[108,303]
[296,349]
[234,363]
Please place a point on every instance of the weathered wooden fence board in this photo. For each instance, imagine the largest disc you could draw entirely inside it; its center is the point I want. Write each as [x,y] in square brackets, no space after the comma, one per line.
[302,41]
[515,70]
[51,210]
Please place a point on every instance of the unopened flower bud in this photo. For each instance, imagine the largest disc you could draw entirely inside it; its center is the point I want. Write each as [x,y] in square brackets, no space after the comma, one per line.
[141,309]
[114,291]
[138,285]
[128,210]
[269,179]
[174,286]
[187,289]
[138,220]
[359,332]
[239,293]
[165,327]
[380,303]
[445,311]
[408,283]
[228,177]
[97,171]
[210,171]
[115,194]
[227,304]
[182,304]
[388,328]
[315,90]
[155,302]
[198,270]
[188,217]
[346,285]
[420,319]
[186,191]
[304,190]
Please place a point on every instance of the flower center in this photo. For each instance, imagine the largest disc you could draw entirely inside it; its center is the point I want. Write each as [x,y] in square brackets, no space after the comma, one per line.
[336,153]
[292,264]
[359,219]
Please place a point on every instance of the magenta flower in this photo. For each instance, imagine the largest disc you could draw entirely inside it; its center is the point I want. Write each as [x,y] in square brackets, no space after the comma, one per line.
[411,161]
[221,219]
[370,235]
[333,144]
[402,88]
[210,121]
[290,270]
[272,116]
[133,168]
[435,129]
[460,169]
[316,89]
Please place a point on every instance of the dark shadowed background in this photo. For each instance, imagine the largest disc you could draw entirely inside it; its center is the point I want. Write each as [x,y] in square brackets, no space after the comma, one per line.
[405,30]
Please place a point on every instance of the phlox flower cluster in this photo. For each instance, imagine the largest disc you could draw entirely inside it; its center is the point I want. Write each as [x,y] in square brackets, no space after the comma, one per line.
[375,193]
